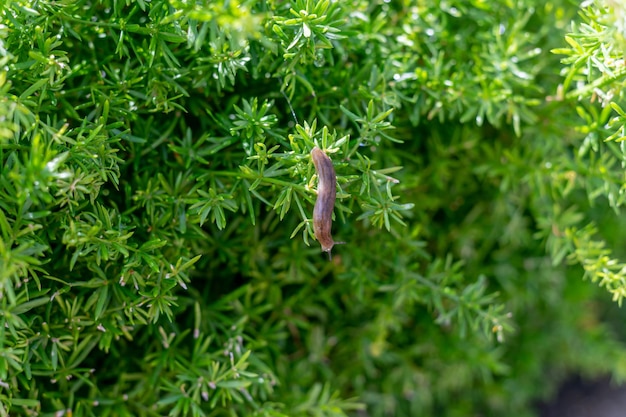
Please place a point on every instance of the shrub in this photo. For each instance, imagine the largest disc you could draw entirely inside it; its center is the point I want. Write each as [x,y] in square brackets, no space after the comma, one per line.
[157,251]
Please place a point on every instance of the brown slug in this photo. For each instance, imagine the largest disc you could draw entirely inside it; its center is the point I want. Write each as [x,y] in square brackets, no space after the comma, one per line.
[325,203]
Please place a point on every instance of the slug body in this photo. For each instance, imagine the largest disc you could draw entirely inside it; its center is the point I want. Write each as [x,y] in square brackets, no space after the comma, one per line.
[325,203]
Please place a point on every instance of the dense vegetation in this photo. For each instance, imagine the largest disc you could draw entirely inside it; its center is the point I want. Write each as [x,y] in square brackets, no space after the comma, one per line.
[157,253]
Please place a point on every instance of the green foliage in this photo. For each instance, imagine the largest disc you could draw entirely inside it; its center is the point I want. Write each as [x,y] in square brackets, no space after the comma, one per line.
[595,78]
[156,195]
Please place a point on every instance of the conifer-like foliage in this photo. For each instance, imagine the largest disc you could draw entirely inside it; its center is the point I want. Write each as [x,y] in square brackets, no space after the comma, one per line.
[157,254]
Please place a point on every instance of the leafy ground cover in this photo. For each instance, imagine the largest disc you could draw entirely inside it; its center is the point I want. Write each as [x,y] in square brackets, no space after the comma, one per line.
[157,253]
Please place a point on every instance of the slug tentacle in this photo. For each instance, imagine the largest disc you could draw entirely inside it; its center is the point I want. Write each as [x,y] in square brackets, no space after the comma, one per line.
[325,203]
